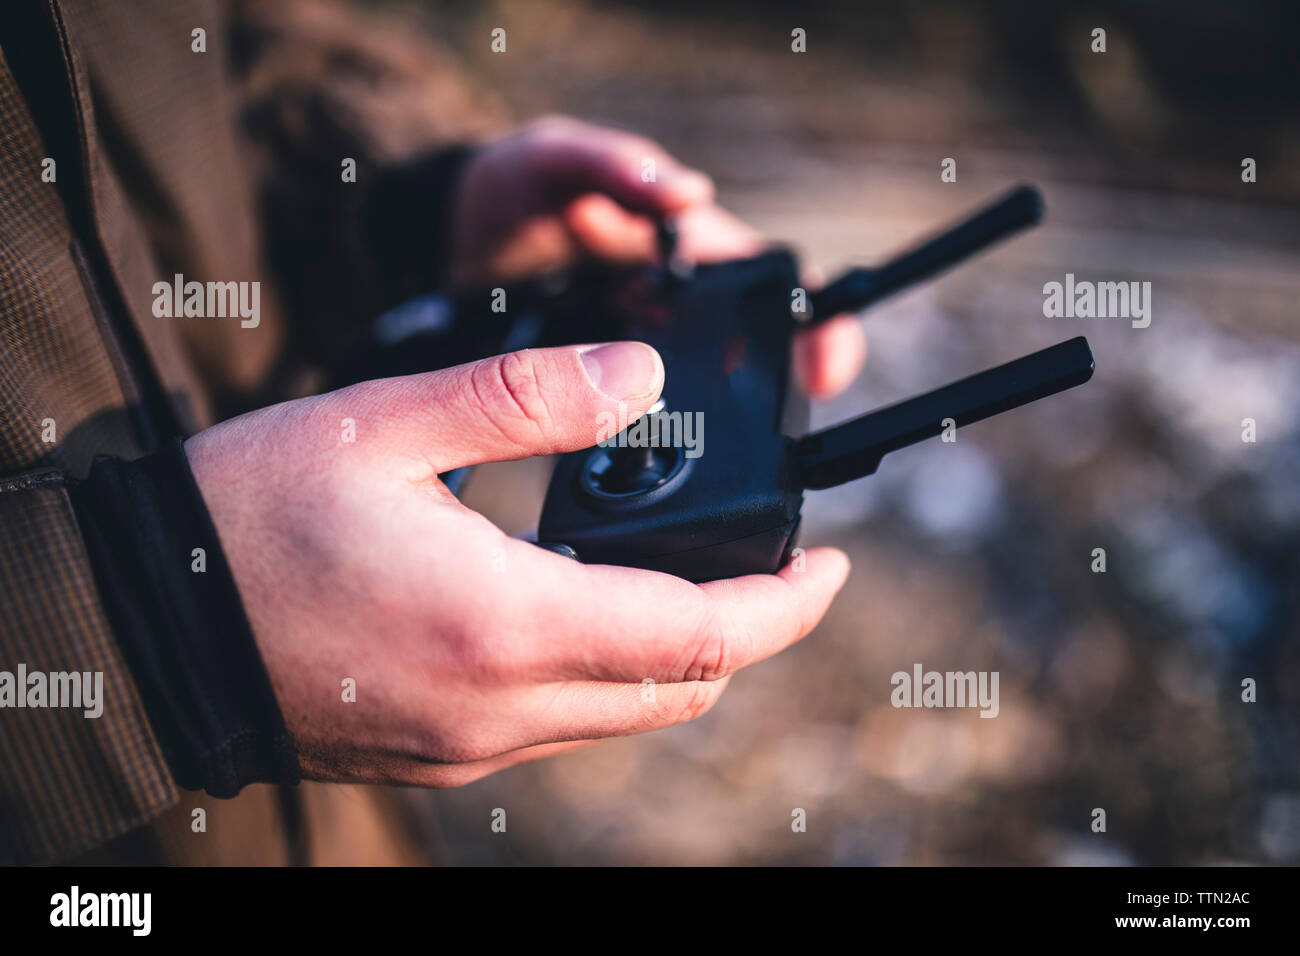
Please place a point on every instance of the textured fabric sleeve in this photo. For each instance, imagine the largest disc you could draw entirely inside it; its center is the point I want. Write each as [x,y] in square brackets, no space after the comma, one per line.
[68,781]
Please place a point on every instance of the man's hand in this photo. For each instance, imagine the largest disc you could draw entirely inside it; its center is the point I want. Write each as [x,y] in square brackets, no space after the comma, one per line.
[558,190]
[471,651]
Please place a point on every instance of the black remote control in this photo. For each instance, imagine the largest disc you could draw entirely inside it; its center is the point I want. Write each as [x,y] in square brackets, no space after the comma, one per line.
[710,483]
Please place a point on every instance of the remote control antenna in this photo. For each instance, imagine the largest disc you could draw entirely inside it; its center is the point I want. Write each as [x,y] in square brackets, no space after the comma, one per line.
[858,288]
[854,449]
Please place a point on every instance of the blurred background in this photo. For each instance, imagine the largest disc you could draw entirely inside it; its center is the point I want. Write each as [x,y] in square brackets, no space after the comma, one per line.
[1120,690]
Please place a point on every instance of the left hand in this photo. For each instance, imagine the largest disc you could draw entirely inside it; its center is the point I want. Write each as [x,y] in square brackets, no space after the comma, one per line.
[558,190]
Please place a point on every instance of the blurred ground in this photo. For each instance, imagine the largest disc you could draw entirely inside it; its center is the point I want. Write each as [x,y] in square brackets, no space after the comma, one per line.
[1118,690]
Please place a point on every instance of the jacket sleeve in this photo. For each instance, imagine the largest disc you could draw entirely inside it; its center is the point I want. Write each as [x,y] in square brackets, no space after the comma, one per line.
[358,126]
[70,779]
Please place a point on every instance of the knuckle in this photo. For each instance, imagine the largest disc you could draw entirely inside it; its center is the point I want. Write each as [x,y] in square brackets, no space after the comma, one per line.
[464,655]
[714,653]
[510,389]
[469,653]
[695,701]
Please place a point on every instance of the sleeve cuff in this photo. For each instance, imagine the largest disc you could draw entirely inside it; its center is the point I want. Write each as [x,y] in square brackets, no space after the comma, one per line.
[181,624]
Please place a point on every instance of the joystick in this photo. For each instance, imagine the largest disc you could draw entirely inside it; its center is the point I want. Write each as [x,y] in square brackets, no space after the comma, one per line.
[614,473]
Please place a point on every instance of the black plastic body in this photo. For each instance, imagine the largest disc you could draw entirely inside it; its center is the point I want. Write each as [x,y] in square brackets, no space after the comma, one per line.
[725,337]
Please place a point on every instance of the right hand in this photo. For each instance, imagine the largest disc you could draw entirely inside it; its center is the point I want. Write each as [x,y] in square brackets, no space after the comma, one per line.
[471,651]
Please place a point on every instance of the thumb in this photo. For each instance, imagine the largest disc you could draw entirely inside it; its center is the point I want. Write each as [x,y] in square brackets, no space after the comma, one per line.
[533,402]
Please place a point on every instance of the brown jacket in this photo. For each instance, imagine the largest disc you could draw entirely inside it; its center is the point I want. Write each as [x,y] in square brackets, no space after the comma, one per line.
[222,165]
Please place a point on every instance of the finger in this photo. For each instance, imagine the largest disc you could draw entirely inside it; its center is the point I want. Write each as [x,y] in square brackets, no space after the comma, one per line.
[828,356]
[570,155]
[813,277]
[653,626]
[708,233]
[533,402]
[583,710]
[608,231]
